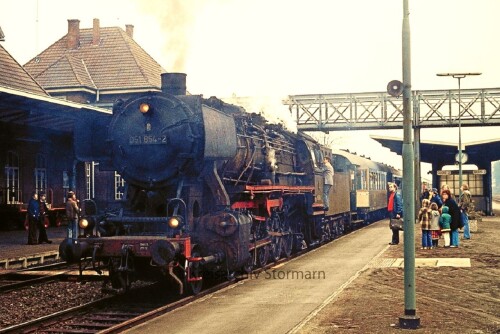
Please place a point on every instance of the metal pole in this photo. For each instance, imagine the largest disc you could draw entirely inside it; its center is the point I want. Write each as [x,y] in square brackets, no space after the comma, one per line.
[459,76]
[459,139]
[409,320]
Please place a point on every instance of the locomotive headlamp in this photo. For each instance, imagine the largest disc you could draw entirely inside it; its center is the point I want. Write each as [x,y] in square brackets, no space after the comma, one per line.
[144,108]
[174,222]
[83,223]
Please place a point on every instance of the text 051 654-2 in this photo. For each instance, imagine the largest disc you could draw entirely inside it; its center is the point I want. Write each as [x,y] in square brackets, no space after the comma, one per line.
[147,140]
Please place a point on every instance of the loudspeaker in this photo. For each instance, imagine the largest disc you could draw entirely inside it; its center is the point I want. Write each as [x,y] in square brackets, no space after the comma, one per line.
[395,88]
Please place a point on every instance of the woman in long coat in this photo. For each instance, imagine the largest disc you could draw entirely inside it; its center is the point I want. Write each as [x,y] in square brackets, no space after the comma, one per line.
[455,216]
[394,209]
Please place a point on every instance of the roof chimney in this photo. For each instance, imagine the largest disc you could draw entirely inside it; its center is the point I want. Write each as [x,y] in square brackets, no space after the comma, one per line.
[129,28]
[96,35]
[73,37]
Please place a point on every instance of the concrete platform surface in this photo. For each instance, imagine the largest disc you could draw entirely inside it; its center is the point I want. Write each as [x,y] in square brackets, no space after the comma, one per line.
[15,253]
[277,300]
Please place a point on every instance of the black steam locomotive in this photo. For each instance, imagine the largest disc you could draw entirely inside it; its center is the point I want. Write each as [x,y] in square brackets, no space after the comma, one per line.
[210,188]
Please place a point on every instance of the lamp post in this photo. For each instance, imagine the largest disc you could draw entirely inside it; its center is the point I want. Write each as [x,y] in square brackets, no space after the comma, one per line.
[459,76]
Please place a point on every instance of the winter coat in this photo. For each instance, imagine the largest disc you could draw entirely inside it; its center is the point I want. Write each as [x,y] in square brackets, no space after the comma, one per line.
[397,206]
[33,209]
[72,209]
[424,218]
[435,220]
[454,213]
[445,219]
[437,199]
[465,201]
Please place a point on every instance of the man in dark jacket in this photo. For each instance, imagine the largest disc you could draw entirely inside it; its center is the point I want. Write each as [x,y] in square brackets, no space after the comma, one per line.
[44,212]
[395,210]
[33,216]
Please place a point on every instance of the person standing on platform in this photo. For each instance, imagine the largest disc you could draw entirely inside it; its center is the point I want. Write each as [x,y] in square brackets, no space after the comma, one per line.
[44,212]
[33,217]
[424,218]
[395,210]
[455,216]
[464,203]
[72,212]
[435,198]
[435,229]
[327,182]
[444,223]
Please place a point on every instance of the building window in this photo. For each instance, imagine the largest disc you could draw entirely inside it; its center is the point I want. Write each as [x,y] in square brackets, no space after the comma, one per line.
[474,181]
[119,187]
[40,173]
[12,191]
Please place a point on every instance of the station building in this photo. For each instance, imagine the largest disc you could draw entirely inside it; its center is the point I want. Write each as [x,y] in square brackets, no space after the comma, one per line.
[76,79]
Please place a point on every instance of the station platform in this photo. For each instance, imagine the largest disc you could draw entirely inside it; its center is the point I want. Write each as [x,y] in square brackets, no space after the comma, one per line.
[15,253]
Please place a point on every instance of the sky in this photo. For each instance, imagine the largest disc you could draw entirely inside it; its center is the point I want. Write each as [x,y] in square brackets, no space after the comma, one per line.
[269,49]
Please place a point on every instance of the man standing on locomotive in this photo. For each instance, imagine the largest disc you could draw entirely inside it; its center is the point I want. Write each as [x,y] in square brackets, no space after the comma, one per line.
[328,181]
[395,210]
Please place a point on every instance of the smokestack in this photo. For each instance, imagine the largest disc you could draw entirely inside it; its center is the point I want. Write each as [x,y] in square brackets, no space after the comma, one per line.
[173,83]
[96,34]
[73,37]
[129,29]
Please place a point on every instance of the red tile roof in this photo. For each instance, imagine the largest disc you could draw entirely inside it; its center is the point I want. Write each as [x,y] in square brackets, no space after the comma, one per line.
[13,75]
[116,63]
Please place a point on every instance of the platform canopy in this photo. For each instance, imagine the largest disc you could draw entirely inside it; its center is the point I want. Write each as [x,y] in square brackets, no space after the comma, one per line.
[28,109]
[442,153]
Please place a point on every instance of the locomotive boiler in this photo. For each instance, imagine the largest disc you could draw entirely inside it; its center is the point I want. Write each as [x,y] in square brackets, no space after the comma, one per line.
[209,188]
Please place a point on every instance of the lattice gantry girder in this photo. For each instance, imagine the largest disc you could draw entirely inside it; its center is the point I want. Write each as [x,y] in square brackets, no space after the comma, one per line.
[431,108]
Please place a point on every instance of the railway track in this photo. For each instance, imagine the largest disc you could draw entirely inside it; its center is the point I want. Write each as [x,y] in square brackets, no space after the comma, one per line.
[13,280]
[114,313]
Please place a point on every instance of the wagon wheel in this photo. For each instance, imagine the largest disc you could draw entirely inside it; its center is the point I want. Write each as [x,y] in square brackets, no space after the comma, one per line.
[194,286]
[275,248]
[287,244]
[262,256]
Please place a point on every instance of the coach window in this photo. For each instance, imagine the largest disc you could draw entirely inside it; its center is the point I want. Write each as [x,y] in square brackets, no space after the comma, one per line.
[362,183]
[13,195]
[41,173]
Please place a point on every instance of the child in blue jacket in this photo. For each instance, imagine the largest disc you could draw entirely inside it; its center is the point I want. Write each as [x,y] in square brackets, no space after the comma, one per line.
[444,223]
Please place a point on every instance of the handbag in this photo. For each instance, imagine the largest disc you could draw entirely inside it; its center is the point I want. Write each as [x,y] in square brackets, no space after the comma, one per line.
[396,224]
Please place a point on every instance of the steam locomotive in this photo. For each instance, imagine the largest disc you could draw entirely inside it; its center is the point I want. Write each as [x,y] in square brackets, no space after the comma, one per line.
[211,188]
